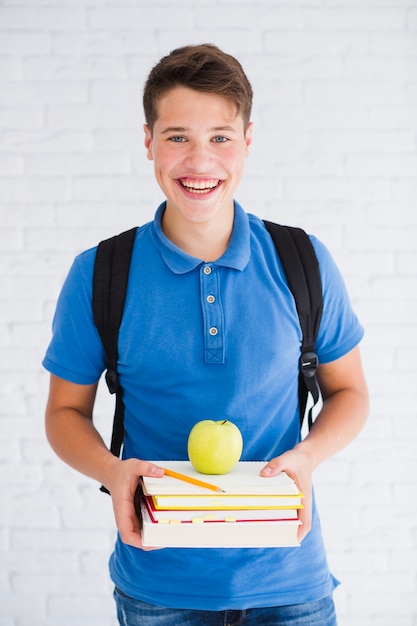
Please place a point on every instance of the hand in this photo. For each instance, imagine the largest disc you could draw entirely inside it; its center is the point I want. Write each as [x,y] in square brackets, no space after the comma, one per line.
[297,465]
[122,484]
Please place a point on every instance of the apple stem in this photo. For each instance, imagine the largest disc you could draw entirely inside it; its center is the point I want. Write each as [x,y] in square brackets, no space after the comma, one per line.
[224,422]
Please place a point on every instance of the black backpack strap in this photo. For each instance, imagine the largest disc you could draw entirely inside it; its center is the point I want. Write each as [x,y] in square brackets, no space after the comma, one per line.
[111,273]
[303,275]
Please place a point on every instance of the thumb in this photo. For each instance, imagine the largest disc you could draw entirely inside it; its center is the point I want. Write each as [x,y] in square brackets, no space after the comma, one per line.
[145,468]
[272,468]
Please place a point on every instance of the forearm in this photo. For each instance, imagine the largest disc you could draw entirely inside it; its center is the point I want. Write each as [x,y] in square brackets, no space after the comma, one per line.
[74,438]
[344,411]
[338,423]
[77,442]
[71,432]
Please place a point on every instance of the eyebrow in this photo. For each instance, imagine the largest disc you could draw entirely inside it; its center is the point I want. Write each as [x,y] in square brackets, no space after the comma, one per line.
[183,129]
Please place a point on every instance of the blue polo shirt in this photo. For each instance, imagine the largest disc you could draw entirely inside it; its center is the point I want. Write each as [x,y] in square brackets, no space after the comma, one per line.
[198,340]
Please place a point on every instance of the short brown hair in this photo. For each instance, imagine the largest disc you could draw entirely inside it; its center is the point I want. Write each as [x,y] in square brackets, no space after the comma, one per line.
[201,67]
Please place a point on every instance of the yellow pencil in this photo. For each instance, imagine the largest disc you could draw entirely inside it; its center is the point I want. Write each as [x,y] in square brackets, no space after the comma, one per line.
[193,481]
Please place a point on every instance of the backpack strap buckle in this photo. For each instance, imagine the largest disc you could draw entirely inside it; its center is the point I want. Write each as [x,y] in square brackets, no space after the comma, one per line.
[308,364]
[112,380]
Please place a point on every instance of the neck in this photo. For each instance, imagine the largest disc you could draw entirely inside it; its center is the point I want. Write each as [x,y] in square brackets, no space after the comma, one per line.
[206,240]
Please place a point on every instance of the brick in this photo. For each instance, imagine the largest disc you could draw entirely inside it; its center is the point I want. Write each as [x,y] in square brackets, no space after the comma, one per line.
[285,17]
[377,67]
[42,18]
[404,560]
[381,238]
[406,261]
[288,68]
[4,546]
[46,141]
[392,165]
[56,584]
[398,287]
[363,93]
[365,18]
[95,562]
[21,474]
[376,262]
[400,44]
[74,68]
[132,17]
[115,92]
[10,238]
[11,448]
[78,165]
[43,562]
[92,117]
[55,540]
[99,43]
[239,42]
[75,606]
[385,606]
[412,19]
[317,189]
[66,91]
[393,117]
[19,425]
[368,141]
[117,189]
[380,214]
[110,140]
[99,516]
[10,68]
[26,43]
[21,116]
[37,189]
[377,561]
[43,514]
[313,42]
[11,165]
[17,605]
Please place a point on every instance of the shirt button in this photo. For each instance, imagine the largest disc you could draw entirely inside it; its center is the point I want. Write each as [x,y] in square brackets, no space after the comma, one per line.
[210,299]
[213,331]
[207,270]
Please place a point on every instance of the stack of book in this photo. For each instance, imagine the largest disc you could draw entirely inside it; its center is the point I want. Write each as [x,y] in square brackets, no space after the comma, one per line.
[238,509]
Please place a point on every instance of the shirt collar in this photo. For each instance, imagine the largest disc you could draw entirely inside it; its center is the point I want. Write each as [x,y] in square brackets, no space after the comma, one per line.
[236,256]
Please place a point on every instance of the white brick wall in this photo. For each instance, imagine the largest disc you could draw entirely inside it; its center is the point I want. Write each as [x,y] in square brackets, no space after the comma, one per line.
[335,150]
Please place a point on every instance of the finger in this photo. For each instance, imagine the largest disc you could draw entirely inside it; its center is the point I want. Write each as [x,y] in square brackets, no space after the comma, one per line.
[305,517]
[146,468]
[272,468]
[131,533]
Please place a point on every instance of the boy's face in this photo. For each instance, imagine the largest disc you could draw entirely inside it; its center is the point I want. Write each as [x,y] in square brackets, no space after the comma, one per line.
[198,146]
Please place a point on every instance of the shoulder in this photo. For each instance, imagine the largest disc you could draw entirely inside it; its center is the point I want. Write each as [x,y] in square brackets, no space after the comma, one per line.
[84,262]
[260,234]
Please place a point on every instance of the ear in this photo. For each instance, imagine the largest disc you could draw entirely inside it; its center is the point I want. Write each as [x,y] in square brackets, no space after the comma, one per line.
[148,141]
[248,138]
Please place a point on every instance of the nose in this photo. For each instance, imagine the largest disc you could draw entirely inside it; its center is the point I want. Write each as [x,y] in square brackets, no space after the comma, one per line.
[198,158]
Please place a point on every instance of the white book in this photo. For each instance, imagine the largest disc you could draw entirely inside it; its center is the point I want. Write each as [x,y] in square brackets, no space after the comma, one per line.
[242,488]
[219,534]
[219,515]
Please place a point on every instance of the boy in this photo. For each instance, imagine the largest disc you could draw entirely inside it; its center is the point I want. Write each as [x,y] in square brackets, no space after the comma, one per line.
[210,331]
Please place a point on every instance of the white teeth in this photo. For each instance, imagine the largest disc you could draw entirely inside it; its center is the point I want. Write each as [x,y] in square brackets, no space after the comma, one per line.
[199,186]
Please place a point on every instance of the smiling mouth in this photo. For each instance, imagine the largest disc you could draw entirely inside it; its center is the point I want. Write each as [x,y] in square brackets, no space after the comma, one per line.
[199,186]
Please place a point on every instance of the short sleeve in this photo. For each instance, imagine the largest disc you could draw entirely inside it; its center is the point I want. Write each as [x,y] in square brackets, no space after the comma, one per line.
[75,352]
[340,330]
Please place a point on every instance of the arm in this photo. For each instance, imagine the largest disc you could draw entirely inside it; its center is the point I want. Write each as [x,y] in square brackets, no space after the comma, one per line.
[345,408]
[73,436]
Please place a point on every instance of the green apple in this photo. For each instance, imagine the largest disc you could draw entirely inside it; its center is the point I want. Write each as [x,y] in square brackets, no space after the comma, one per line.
[214,447]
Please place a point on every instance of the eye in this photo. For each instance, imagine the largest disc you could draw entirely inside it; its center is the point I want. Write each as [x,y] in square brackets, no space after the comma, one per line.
[177,139]
[220,139]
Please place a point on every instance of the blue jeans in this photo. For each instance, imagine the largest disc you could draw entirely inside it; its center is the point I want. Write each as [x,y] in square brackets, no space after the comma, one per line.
[131,612]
